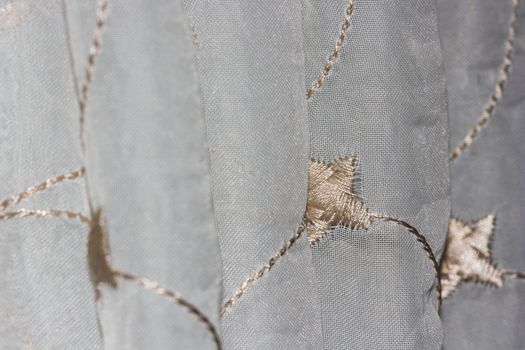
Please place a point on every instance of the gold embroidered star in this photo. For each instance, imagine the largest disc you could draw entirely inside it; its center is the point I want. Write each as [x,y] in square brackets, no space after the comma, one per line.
[467,255]
[332,198]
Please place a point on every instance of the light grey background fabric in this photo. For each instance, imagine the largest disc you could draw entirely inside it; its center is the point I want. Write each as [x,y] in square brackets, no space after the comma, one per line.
[148,170]
[489,176]
[46,298]
[251,67]
[384,101]
[198,136]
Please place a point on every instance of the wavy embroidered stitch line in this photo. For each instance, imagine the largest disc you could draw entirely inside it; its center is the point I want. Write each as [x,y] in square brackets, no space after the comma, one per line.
[101,271]
[94,50]
[330,62]
[174,297]
[426,246]
[497,92]
[40,187]
[261,272]
[332,201]
[23,213]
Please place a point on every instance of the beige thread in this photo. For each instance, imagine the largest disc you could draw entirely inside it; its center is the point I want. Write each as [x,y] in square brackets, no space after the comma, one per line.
[426,246]
[332,198]
[94,50]
[467,255]
[267,267]
[98,254]
[101,271]
[174,297]
[40,187]
[335,52]
[332,201]
[97,241]
[498,88]
[22,213]
[515,274]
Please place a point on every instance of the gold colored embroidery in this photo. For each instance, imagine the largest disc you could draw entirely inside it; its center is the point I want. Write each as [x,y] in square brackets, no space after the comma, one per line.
[332,198]
[96,44]
[426,246]
[22,213]
[101,271]
[467,256]
[497,92]
[98,254]
[329,64]
[261,272]
[332,201]
[40,187]
[174,297]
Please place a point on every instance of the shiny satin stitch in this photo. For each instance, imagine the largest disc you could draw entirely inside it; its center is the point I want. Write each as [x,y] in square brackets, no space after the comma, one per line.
[333,201]
[467,256]
[332,198]
[98,254]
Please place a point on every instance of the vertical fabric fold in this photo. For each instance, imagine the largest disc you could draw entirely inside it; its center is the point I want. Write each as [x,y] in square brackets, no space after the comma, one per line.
[383,101]
[148,171]
[251,68]
[46,299]
[488,176]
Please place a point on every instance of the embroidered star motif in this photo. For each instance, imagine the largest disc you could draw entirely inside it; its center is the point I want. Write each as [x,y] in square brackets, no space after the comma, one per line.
[467,255]
[332,198]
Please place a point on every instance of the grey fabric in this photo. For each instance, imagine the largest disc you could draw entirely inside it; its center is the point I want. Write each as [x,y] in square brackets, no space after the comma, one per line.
[148,169]
[488,177]
[251,68]
[384,101]
[46,298]
[198,138]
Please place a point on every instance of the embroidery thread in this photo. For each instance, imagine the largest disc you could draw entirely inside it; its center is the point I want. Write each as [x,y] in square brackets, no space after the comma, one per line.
[102,271]
[261,272]
[332,198]
[39,188]
[98,254]
[468,257]
[96,45]
[333,201]
[330,62]
[175,297]
[497,92]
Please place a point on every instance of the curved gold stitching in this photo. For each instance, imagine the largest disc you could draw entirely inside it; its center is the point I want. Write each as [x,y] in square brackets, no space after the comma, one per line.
[174,297]
[330,62]
[40,187]
[421,239]
[261,272]
[488,110]
[468,255]
[94,50]
[22,213]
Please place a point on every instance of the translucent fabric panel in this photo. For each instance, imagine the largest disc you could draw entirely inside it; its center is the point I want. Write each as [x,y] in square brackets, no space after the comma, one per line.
[383,101]
[251,68]
[46,297]
[488,176]
[148,171]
